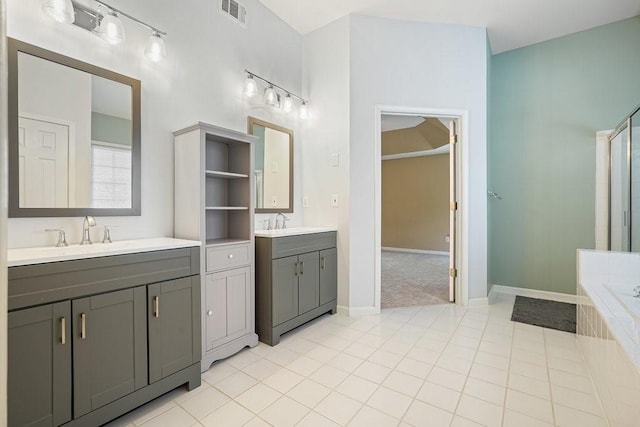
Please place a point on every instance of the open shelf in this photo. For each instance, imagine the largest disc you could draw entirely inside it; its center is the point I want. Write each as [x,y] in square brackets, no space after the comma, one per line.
[225,175]
[226,208]
[224,241]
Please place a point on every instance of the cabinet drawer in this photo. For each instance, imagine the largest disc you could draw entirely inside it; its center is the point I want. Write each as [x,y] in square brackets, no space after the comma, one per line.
[220,258]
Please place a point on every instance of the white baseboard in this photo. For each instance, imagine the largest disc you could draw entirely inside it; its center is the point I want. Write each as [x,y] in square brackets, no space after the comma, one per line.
[415,251]
[531,293]
[357,311]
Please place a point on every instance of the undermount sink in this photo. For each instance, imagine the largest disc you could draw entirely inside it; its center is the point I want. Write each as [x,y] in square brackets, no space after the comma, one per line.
[294,231]
[39,255]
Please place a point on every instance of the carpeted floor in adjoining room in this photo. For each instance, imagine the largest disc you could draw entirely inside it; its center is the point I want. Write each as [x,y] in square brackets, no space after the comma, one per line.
[411,279]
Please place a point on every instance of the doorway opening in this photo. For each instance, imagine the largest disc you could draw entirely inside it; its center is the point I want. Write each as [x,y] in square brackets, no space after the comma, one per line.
[417,210]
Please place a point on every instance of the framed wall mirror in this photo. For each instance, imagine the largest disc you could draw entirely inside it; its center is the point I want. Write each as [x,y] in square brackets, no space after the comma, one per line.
[74,137]
[273,166]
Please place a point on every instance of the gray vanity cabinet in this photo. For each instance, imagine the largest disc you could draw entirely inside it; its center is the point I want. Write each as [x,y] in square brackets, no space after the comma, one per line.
[173,317]
[296,281]
[92,339]
[39,377]
[328,275]
[109,347]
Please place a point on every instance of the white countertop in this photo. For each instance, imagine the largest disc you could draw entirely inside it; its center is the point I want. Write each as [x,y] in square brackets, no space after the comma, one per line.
[294,231]
[40,255]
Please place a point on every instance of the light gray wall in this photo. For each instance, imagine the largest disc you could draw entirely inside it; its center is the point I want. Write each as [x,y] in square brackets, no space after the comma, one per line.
[200,80]
[415,65]
[326,133]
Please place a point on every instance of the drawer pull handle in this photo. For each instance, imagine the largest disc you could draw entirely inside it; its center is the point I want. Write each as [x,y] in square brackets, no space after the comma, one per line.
[83,326]
[63,331]
[230,256]
[295,269]
[322,263]
[156,306]
[301,268]
[209,313]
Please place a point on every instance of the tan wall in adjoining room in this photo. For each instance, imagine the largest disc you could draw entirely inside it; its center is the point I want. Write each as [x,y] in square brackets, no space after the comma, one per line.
[415,203]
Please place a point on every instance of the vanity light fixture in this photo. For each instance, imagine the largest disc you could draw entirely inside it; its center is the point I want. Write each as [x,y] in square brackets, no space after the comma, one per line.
[287,103]
[155,49]
[107,25]
[304,110]
[272,97]
[250,86]
[111,28]
[60,10]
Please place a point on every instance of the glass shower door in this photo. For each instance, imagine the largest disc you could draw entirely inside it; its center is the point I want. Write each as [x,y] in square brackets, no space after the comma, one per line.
[618,192]
[634,125]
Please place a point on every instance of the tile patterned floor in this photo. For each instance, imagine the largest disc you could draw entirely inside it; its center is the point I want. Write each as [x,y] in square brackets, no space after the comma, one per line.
[418,366]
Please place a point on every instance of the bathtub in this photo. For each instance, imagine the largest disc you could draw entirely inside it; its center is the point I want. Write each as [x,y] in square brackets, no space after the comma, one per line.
[608,330]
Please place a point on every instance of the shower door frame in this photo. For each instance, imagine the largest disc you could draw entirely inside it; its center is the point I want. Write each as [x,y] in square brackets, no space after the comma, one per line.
[625,125]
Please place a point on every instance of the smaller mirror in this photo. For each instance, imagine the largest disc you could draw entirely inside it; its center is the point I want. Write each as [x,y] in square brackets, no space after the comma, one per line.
[273,166]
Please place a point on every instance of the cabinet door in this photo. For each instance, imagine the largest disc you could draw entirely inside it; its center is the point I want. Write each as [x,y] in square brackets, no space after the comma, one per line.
[308,281]
[227,305]
[109,347]
[39,374]
[173,316]
[328,275]
[284,281]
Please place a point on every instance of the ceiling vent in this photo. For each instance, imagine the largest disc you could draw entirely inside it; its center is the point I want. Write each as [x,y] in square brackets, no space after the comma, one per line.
[235,11]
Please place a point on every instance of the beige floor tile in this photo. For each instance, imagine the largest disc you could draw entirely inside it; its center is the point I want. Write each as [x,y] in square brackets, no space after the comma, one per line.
[309,393]
[372,372]
[369,417]
[529,405]
[284,412]
[489,374]
[586,402]
[484,390]
[419,412]
[385,358]
[533,386]
[439,396]
[314,419]
[258,397]
[480,411]
[304,366]
[235,384]
[202,404]
[403,383]
[516,419]
[283,380]
[229,415]
[458,421]
[569,417]
[217,372]
[345,362]
[329,376]
[338,408]
[261,369]
[357,388]
[390,402]
[450,379]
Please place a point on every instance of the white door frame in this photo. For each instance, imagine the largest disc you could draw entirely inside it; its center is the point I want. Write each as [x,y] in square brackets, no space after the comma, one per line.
[462,159]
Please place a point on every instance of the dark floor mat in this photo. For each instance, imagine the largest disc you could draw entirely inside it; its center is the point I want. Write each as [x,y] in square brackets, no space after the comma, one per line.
[545,313]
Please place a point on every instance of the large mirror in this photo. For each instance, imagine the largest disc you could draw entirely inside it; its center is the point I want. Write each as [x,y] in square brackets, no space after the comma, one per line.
[273,166]
[74,137]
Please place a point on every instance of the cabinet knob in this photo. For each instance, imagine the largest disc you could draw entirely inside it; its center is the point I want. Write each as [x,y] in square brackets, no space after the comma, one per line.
[230,256]
[210,313]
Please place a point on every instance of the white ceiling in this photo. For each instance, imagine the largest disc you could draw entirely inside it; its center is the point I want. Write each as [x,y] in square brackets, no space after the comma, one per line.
[395,122]
[510,23]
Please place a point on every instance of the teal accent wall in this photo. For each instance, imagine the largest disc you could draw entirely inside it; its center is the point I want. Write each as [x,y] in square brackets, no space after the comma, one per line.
[547,102]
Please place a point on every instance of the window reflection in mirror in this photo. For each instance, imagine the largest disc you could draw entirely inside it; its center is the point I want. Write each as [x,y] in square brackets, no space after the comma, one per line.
[273,166]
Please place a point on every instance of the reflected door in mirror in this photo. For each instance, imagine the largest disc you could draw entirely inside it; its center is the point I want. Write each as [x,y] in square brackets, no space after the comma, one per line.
[273,167]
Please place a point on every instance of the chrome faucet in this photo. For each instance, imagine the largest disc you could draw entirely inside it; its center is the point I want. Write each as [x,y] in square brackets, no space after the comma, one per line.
[62,239]
[89,221]
[284,221]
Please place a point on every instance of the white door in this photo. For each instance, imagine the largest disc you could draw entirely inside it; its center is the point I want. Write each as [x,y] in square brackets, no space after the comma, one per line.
[453,210]
[43,163]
